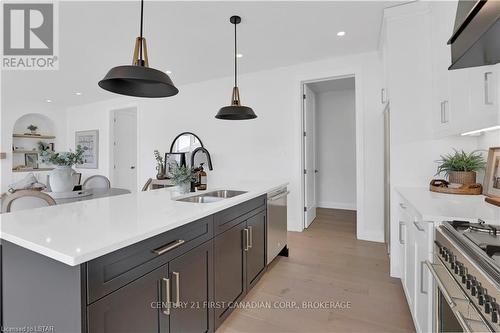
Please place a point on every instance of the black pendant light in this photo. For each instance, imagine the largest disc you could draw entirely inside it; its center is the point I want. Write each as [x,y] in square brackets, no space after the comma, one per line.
[235,111]
[139,79]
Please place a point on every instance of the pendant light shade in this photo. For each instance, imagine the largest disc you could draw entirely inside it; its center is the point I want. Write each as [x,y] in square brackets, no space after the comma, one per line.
[235,111]
[139,79]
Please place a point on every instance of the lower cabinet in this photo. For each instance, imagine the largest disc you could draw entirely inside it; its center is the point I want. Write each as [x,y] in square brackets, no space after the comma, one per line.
[191,276]
[172,298]
[240,260]
[416,237]
[131,309]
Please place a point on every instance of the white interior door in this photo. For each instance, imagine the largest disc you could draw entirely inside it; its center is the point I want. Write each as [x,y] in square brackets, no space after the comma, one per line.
[309,156]
[125,149]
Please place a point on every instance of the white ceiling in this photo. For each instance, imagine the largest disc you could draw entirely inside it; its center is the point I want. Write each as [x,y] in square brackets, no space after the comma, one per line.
[193,40]
[332,85]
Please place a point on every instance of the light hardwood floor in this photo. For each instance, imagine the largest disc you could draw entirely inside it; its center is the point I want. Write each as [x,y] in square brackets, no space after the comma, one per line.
[327,264]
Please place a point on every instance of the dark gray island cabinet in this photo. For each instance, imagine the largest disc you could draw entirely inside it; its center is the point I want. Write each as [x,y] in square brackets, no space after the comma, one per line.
[184,280]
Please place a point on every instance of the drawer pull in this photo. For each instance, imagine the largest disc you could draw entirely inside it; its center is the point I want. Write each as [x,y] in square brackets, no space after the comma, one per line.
[245,239]
[177,289]
[170,246]
[250,237]
[166,300]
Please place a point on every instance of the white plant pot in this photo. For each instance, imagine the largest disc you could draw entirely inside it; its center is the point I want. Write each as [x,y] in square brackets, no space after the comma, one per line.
[61,179]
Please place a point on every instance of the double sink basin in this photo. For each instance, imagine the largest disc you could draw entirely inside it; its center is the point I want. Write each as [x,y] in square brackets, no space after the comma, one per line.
[212,196]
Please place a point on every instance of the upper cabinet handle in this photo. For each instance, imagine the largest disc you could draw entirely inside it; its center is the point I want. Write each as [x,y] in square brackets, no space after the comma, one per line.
[487,87]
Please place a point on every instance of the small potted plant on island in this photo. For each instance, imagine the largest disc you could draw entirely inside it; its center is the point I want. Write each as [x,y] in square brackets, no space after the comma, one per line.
[461,167]
[183,176]
[61,178]
[32,128]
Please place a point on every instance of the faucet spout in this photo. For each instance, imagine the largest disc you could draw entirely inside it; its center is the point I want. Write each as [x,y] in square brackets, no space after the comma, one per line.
[205,151]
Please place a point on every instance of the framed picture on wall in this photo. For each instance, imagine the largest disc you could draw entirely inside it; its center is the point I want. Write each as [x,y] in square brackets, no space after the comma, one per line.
[174,160]
[491,184]
[31,160]
[90,141]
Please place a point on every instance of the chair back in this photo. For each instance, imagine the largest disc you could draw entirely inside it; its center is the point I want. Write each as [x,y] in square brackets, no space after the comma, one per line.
[26,199]
[96,181]
[147,185]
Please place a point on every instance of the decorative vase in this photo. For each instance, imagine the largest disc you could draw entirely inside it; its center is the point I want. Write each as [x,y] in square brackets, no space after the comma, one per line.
[462,177]
[161,172]
[61,179]
[184,188]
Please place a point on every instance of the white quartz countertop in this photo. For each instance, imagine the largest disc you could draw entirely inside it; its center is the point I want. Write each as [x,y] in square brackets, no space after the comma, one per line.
[440,207]
[78,232]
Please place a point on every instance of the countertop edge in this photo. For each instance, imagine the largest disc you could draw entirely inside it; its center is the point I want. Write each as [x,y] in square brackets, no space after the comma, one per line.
[80,259]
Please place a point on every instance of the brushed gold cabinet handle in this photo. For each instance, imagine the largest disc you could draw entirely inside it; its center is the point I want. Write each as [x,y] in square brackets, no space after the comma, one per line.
[166,290]
[250,237]
[170,246]
[245,239]
[177,288]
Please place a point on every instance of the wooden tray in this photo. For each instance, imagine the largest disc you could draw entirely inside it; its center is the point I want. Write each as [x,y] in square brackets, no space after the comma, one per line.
[441,186]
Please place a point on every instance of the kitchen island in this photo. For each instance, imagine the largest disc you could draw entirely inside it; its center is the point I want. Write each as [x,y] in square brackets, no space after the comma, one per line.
[140,262]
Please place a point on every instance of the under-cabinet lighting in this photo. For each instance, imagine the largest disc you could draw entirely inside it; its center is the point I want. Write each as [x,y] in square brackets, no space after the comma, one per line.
[239,55]
[341,33]
[480,131]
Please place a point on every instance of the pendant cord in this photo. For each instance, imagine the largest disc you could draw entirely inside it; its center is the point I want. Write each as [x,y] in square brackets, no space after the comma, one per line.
[142,16]
[235,59]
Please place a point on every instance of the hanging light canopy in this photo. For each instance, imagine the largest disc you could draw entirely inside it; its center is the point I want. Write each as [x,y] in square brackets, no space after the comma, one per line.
[139,79]
[235,111]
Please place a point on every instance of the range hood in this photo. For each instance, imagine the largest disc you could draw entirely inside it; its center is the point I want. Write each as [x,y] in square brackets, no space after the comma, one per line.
[476,36]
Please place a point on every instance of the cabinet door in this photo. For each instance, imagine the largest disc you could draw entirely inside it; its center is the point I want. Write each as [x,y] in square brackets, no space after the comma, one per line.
[256,253]
[483,97]
[191,277]
[423,287]
[409,262]
[131,309]
[229,267]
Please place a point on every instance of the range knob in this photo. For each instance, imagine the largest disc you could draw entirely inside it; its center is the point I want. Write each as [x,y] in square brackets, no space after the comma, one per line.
[482,295]
[476,289]
[470,281]
[458,267]
[494,315]
[490,305]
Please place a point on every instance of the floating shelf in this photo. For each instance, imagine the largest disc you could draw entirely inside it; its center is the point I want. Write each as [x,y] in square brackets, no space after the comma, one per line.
[25,151]
[31,170]
[27,136]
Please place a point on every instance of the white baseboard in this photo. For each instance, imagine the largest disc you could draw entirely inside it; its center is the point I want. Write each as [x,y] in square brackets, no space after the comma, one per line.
[337,205]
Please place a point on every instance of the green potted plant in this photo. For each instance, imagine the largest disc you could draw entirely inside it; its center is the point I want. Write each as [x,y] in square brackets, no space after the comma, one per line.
[182,177]
[32,128]
[61,178]
[461,167]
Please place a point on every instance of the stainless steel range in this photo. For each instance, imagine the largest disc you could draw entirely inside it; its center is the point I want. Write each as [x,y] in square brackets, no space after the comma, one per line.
[466,269]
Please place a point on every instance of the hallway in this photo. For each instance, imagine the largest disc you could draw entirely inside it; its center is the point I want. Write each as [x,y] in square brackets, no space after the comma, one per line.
[327,265]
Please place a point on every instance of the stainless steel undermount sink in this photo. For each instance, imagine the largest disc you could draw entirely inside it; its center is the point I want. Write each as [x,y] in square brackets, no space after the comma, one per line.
[212,196]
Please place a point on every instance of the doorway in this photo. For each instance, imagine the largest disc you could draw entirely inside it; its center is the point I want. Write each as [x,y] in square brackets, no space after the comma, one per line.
[124,148]
[329,147]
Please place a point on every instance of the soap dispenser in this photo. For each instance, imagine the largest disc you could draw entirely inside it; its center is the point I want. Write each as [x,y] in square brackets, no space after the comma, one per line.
[202,178]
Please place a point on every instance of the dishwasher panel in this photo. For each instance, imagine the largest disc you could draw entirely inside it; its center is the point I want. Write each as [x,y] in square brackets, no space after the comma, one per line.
[276,222]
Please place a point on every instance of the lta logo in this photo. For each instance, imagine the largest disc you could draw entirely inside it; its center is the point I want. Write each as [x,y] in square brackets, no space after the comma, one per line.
[29,39]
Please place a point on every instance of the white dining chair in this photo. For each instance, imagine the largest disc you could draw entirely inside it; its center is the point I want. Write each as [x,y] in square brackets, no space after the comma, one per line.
[26,199]
[96,181]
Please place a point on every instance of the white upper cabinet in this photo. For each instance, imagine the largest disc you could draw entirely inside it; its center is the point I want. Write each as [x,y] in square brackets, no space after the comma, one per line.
[464,99]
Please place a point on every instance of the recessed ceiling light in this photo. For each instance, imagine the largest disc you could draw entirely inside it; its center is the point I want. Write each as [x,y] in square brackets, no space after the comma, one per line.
[48,100]
[168,72]
[78,93]
[239,55]
[341,33]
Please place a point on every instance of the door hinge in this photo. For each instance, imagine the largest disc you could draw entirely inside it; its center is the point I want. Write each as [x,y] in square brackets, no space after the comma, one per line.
[305,209]
[304,96]
[305,172]
[304,133]
[114,120]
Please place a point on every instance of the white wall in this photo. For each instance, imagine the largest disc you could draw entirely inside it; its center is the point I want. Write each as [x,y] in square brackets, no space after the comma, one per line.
[336,149]
[268,147]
